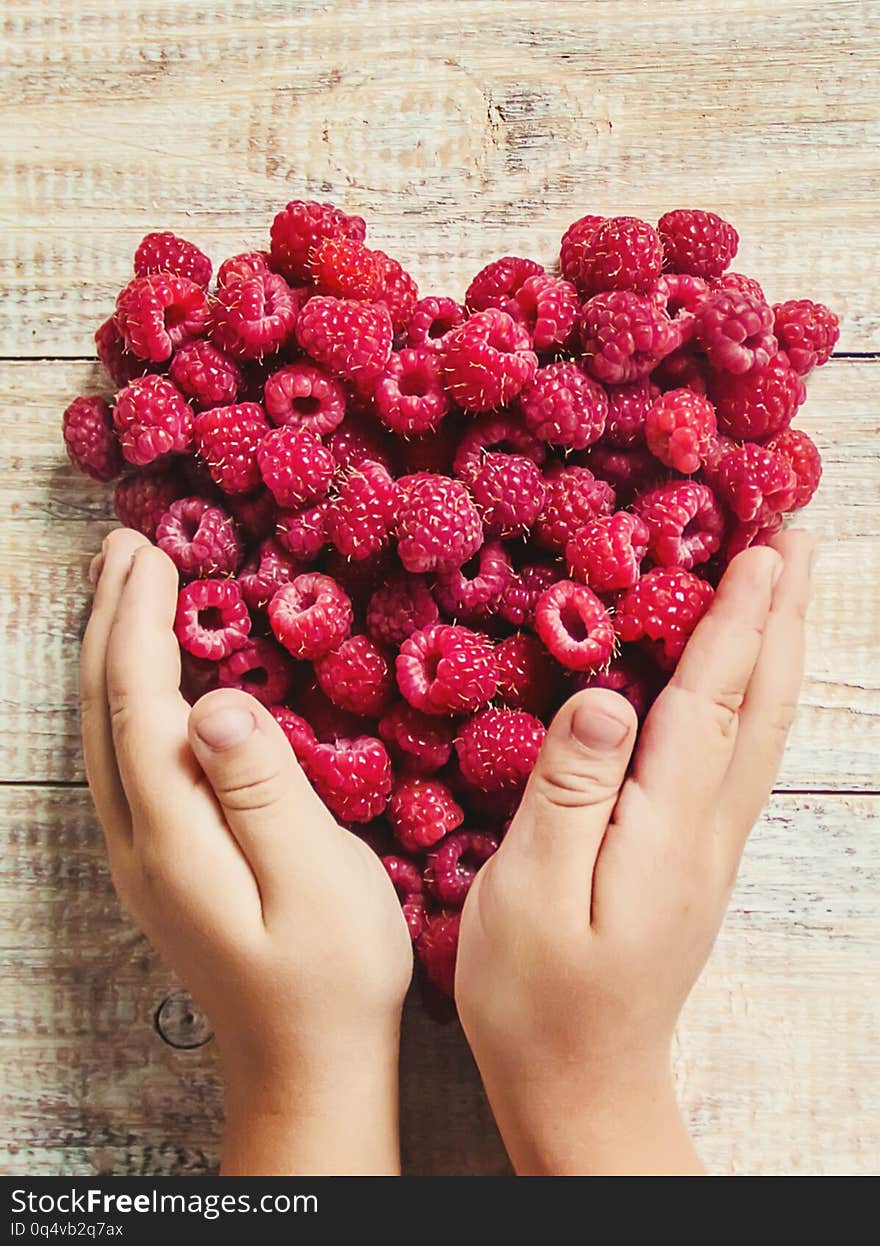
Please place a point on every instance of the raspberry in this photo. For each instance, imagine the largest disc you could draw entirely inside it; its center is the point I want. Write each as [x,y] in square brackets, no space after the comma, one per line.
[699,243]
[685,525]
[298,229]
[345,269]
[680,295]
[801,452]
[212,620]
[300,735]
[355,442]
[487,361]
[623,253]
[205,374]
[679,428]
[422,811]
[628,407]
[565,407]
[738,283]
[431,320]
[683,369]
[399,292]
[357,677]
[408,884]
[664,608]
[627,472]
[607,553]
[750,477]
[443,669]
[152,418]
[438,525]
[92,447]
[348,338]
[548,307]
[296,467]
[495,285]
[419,743]
[509,492]
[301,395]
[574,497]
[631,675]
[259,667]
[199,539]
[310,616]
[140,501]
[807,332]
[361,516]
[494,432]
[227,439]
[256,513]
[122,365]
[399,607]
[240,267]
[437,947]
[527,675]
[409,396]
[736,332]
[758,404]
[574,249]
[575,626]
[156,314]
[623,336]
[522,591]
[254,316]
[452,866]
[265,572]
[498,748]
[303,533]
[166,253]
[460,593]
[352,777]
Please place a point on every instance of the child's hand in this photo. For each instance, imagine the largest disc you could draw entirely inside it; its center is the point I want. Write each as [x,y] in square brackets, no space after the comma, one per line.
[582,937]
[284,925]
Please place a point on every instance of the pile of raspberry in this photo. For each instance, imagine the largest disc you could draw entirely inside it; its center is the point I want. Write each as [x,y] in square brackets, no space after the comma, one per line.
[412,526]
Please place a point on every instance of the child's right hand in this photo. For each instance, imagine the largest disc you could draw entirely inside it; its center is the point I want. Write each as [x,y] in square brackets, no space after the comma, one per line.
[582,937]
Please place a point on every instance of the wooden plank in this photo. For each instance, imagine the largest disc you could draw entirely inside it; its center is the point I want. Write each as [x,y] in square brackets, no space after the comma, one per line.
[56,520]
[776,1059]
[461,131]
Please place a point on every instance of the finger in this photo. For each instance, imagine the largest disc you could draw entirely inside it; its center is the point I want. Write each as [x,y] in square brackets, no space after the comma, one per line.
[555,835]
[771,700]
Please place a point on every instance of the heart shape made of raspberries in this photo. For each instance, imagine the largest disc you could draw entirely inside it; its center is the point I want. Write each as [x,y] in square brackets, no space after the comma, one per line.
[412,527]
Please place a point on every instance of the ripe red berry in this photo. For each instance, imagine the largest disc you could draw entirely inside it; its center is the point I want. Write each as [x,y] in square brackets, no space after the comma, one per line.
[301,395]
[90,439]
[564,407]
[807,332]
[298,229]
[758,404]
[421,811]
[200,539]
[227,439]
[806,462]
[498,748]
[438,525]
[575,626]
[357,677]
[259,667]
[311,615]
[453,864]
[443,669]
[255,316]
[158,313]
[663,608]
[212,619]
[348,338]
[685,524]
[295,465]
[607,553]
[410,398]
[152,419]
[623,336]
[736,332]
[623,253]
[166,253]
[679,428]
[487,361]
[699,243]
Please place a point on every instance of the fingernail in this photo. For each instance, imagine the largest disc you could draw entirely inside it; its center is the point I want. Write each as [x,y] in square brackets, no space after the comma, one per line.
[96,566]
[597,730]
[224,728]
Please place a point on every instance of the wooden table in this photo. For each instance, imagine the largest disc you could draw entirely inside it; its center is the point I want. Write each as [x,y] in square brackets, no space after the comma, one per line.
[460,130]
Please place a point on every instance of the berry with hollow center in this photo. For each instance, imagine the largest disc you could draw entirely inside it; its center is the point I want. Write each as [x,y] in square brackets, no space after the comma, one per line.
[607,553]
[528,677]
[227,439]
[496,431]
[444,669]
[206,374]
[574,497]
[685,524]
[509,493]
[736,332]
[311,615]
[349,338]
[357,677]
[575,626]
[806,331]
[438,526]
[297,230]
[199,538]
[487,361]
[806,462]
[410,398]
[472,591]
[497,749]
[265,571]
[152,419]
[624,253]
[302,396]
[663,609]
[90,440]
[259,667]
[624,336]
[295,466]
[421,811]
[254,317]
[164,252]
[212,620]
[695,242]
[679,428]
[431,320]
[158,313]
[402,605]
[452,865]
[564,407]
[419,743]
[681,295]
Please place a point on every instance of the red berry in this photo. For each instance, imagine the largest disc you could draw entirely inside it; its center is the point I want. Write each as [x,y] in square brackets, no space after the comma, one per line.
[632,675]
[452,865]
[351,776]
[166,253]
[750,478]
[298,229]
[199,538]
[357,677]
[227,439]
[575,626]
[208,376]
[807,332]
[311,615]
[509,493]
[738,283]
[565,407]
[348,338]
[212,619]
[437,947]
[461,594]
[422,811]
[141,500]
[547,307]
[758,404]
[607,553]
[443,669]
[438,526]
[356,441]
[574,251]
[255,316]
[431,320]
[266,570]
[296,467]
[495,285]
[301,395]
[419,743]
[680,295]
[156,314]
[679,429]
[303,533]
[624,336]
[487,361]
[497,749]
[345,269]
[664,608]
[699,243]
[496,431]
[399,292]
[410,398]
[628,407]
[92,446]
[361,516]
[240,267]
[736,332]
[574,497]
[623,253]
[399,607]
[806,462]
[522,591]
[259,667]
[685,524]
[627,472]
[121,363]
[152,419]
[528,677]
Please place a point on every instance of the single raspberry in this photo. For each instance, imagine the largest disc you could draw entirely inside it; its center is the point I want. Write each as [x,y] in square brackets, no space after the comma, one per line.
[739,283]
[495,285]
[509,492]
[121,363]
[495,431]
[240,267]
[141,500]
[207,375]
[574,497]
[303,533]
[685,368]
[227,439]
[361,515]
[497,749]
[736,332]
[695,242]
[407,880]
[630,674]
[259,667]
[431,320]
[357,441]
[345,269]
[685,523]
[548,308]
[624,336]
[453,864]
[399,292]
[564,407]
[443,669]
[152,418]
[574,249]
[399,607]
[352,777]
[265,571]
[199,538]
[295,465]
[628,407]
[166,253]
[301,395]
[663,608]
[212,620]
[299,227]
[156,314]
[749,477]
[758,404]
[624,253]
[299,733]
[680,295]
[806,462]
[679,429]
[807,332]
[437,947]
[422,811]
[607,553]
[432,452]
[438,526]
[311,615]
[357,677]
[350,339]
[487,361]
[627,472]
[409,396]
[575,626]
[255,316]
[470,590]
[522,591]
[418,743]
[91,443]
[755,532]
[528,676]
